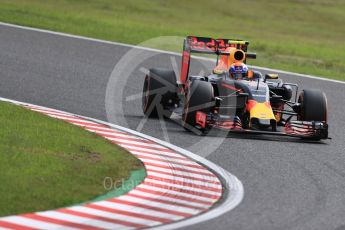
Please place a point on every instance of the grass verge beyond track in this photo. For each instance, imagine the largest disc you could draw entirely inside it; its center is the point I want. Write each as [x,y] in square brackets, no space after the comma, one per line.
[46,163]
[296,35]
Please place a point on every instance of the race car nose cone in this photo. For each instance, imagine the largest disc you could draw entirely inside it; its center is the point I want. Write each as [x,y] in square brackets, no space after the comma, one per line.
[264,122]
[260,124]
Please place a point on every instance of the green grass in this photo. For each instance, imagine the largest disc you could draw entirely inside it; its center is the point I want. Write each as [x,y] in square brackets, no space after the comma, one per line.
[305,36]
[47,163]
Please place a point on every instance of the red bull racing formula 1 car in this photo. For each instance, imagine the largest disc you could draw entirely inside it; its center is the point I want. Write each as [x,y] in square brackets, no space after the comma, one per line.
[233,98]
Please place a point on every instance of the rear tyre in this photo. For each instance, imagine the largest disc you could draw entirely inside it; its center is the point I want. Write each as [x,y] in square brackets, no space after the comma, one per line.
[199,98]
[159,93]
[313,106]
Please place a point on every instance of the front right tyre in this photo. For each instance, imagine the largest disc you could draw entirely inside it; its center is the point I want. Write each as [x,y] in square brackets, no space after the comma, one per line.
[313,106]
[199,98]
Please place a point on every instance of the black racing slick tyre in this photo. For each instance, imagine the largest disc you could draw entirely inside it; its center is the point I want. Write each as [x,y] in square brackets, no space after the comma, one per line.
[313,106]
[159,93]
[200,97]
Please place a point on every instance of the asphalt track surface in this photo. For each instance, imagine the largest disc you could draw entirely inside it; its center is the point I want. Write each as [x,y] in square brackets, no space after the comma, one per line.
[288,184]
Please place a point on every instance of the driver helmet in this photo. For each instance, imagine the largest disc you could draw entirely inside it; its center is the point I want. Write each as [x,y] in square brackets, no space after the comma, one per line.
[238,71]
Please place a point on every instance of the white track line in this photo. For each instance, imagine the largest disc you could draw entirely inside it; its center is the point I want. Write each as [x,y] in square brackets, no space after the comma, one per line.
[157,50]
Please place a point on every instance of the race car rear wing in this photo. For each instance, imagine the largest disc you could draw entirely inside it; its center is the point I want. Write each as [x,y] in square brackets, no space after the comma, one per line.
[213,46]
[206,45]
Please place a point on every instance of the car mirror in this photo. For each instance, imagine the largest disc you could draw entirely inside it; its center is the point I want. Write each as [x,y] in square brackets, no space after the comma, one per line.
[271,76]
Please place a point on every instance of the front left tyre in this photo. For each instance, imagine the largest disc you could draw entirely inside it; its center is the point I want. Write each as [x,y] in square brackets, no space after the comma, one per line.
[159,93]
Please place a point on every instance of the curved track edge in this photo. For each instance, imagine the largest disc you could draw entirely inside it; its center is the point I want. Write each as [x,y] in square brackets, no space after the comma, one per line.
[180,189]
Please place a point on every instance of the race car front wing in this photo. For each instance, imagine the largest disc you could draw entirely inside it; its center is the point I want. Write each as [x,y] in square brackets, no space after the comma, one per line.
[313,130]
[305,130]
